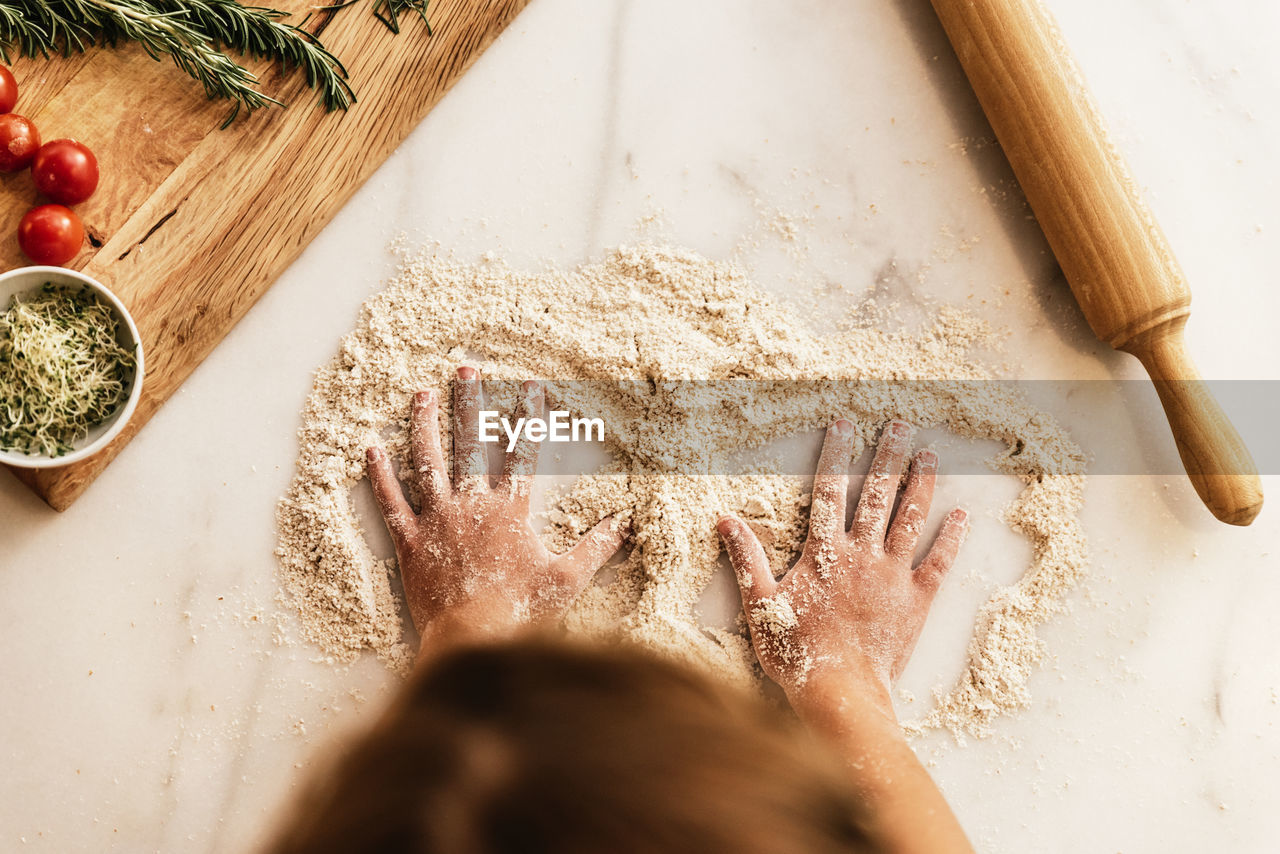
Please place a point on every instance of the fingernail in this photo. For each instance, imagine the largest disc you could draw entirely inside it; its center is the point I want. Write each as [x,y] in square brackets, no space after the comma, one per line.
[842,427]
[901,429]
[529,386]
[425,398]
[962,515]
[927,459]
[371,454]
[467,373]
[726,527]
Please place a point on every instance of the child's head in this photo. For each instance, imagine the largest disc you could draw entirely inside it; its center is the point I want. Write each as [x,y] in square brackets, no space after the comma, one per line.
[543,747]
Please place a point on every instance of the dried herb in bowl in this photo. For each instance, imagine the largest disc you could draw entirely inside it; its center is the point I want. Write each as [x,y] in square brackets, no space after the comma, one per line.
[62,369]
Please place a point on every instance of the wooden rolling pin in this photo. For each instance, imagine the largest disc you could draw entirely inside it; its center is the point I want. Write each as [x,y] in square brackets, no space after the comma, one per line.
[1111,249]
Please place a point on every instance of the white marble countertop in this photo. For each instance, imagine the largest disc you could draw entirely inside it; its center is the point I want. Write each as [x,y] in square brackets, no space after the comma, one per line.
[146,706]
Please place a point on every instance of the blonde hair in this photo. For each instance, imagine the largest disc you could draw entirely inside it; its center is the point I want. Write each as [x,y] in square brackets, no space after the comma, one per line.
[539,746]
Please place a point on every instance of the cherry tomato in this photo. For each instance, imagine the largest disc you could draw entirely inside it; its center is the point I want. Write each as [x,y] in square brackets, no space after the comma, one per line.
[65,171]
[8,90]
[50,234]
[19,142]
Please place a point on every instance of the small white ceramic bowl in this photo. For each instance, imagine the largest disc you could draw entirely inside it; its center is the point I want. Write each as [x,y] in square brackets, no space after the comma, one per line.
[28,280]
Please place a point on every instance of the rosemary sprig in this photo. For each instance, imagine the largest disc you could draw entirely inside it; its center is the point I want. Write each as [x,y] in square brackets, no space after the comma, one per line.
[388,12]
[36,29]
[192,50]
[17,30]
[196,35]
[258,32]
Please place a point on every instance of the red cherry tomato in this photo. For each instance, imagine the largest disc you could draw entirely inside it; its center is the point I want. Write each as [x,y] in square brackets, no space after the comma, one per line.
[65,171]
[50,234]
[19,142]
[8,90]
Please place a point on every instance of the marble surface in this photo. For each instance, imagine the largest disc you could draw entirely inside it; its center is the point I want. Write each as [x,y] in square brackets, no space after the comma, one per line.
[146,704]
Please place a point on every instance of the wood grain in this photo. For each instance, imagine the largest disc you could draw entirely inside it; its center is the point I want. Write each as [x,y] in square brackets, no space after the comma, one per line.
[192,224]
[1212,452]
[1113,253]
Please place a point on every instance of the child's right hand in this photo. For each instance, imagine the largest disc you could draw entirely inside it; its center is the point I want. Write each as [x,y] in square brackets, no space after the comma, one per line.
[841,624]
[472,562]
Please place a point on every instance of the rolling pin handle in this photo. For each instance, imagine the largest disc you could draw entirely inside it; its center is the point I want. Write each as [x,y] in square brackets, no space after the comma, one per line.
[1220,466]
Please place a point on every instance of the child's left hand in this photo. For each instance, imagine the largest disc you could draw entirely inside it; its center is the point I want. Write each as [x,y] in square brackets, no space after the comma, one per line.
[846,617]
[471,562]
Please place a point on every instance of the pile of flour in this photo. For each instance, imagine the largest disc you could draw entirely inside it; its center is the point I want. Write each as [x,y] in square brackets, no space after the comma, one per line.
[659,315]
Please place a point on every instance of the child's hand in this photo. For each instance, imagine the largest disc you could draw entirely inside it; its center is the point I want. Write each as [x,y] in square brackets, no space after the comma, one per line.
[471,561]
[843,621]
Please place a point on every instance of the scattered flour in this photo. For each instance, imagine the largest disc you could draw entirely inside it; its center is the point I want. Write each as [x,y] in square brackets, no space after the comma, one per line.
[657,315]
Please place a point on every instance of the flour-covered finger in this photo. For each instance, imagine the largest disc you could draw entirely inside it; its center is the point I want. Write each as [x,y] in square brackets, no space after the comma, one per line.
[396,512]
[470,471]
[942,555]
[424,447]
[871,518]
[522,461]
[913,509]
[831,484]
[584,560]
[750,564]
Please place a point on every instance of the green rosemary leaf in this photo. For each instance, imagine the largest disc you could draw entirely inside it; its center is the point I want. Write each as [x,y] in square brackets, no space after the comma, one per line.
[388,12]
[197,36]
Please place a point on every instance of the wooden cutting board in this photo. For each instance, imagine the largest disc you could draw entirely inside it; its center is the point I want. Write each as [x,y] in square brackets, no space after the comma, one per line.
[191,224]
